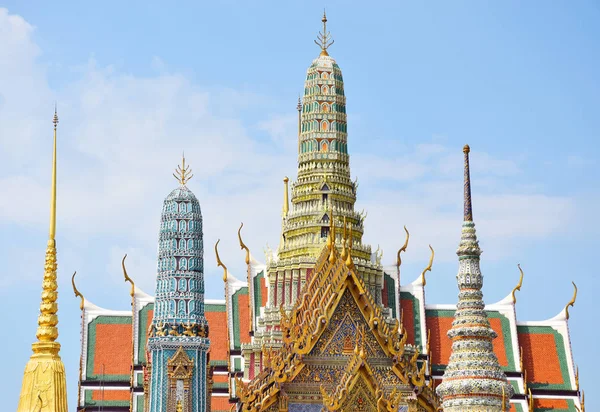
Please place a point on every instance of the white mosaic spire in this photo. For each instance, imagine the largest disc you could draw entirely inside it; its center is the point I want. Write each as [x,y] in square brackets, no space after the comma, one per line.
[473,380]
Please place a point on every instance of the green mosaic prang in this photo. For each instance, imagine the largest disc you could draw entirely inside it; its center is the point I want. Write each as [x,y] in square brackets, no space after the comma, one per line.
[237,364]
[142,332]
[417,316]
[491,314]
[91,348]
[560,350]
[88,401]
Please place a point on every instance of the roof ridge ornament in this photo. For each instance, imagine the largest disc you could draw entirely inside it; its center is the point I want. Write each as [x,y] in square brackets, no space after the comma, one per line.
[572,301]
[77,293]
[324,40]
[518,287]
[183,173]
[126,276]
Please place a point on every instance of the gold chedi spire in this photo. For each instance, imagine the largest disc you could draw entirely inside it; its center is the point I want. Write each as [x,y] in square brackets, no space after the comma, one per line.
[44,384]
[183,173]
[324,38]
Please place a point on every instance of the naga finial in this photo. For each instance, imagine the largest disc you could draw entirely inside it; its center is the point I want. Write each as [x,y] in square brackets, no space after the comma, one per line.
[242,245]
[428,268]
[219,263]
[77,293]
[572,301]
[518,287]
[402,249]
[127,278]
[183,173]
[324,40]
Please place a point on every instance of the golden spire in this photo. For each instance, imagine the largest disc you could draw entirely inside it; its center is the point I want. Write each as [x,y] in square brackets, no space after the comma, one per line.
[286,202]
[44,384]
[183,173]
[324,38]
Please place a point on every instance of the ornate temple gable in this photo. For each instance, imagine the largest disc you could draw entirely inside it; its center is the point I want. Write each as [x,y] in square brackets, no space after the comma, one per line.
[336,297]
[312,313]
[344,327]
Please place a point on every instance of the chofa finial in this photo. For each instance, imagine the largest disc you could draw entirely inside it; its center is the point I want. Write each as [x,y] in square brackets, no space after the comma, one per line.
[77,293]
[183,173]
[324,38]
[572,301]
[518,287]
[219,263]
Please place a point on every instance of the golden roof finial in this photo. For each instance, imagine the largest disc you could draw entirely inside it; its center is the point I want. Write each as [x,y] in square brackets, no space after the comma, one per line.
[45,368]
[77,293]
[127,278]
[242,245]
[324,38]
[518,287]
[183,173]
[428,268]
[503,399]
[219,263]
[572,301]
[402,249]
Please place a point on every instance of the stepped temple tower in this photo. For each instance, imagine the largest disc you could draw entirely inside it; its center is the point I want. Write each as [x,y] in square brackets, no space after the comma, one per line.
[322,323]
[473,380]
[178,337]
[44,382]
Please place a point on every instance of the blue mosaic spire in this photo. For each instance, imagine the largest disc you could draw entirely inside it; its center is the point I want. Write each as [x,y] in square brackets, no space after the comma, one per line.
[178,338]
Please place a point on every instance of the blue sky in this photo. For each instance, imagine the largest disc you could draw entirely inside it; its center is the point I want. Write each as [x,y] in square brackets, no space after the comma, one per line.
[137,83]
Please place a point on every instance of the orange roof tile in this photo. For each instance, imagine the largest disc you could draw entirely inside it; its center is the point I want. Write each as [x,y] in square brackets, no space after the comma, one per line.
[244,317]
[111,395]
[217,327]
[408,319]
[540,358]
[440,344]
[220,378]
[219,403]
[264,292]
[113,349]
[551,404]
